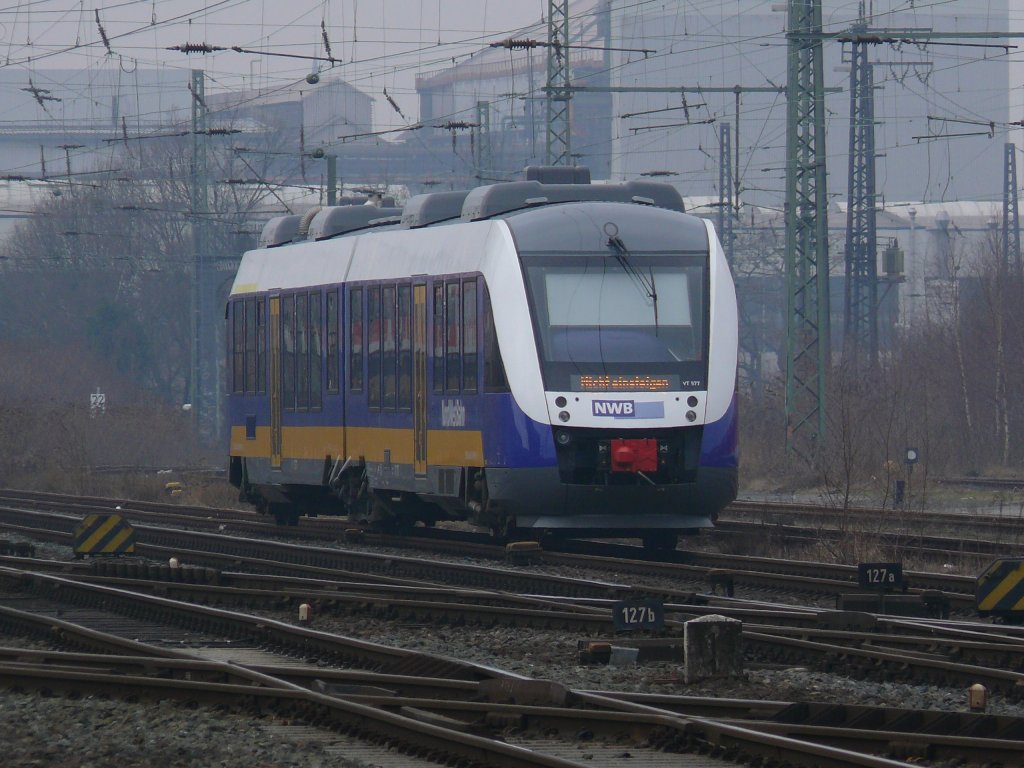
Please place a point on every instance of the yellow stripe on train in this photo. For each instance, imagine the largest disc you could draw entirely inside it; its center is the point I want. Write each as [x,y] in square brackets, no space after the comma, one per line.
[451,447]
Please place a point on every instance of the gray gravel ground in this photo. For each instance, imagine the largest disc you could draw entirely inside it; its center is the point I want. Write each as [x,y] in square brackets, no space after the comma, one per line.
[94,733]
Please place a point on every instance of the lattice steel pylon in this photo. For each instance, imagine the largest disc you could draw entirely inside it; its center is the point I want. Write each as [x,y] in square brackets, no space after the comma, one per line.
[558,87]
[807,338]
[203,387]
[725,200]
[861,258]
[1011,215]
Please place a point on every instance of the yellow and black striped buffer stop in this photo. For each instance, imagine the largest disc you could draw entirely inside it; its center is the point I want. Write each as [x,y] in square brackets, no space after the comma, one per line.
[1000,587]
[104,535]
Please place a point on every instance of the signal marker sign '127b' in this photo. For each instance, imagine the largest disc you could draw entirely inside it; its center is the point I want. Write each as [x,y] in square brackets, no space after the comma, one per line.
[638,614]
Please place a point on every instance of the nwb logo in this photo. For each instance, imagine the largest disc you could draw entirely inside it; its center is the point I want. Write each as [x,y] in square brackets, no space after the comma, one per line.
[613,408]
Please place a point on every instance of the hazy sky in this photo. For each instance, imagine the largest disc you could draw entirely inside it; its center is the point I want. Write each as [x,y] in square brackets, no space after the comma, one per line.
[377,44]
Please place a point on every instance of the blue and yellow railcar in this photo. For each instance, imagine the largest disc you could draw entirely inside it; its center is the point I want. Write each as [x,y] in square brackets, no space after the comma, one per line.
[528,355]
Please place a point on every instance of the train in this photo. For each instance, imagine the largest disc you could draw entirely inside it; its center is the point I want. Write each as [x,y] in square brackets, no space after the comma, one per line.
[540,357]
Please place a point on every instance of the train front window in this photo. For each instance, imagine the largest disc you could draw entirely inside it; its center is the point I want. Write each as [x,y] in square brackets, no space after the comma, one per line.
[606,323]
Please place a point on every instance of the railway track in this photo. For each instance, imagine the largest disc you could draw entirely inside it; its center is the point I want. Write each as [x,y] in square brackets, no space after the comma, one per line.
[830,579]
[396,590]
[415,702]
[390,588]
[966,543]
[910,524]
[808,583]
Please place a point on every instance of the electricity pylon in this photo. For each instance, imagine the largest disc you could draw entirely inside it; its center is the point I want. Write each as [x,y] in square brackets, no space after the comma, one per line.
[861,257]
[807,337]
[1011,215]
[558,87]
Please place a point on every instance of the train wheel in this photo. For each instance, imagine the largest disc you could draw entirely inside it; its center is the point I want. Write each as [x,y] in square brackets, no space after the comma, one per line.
[552,538]
[504,531]
[284,514]
[660,541]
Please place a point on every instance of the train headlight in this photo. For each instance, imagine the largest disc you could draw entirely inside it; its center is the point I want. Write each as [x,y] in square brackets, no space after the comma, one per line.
[563,438]
[563,415]
[692,401]
[560,401]
[691,416]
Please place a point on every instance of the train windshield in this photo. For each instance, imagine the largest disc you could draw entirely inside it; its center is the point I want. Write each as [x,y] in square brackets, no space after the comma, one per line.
[609,322]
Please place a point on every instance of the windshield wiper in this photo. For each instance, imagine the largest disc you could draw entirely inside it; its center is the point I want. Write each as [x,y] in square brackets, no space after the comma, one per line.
[646,282]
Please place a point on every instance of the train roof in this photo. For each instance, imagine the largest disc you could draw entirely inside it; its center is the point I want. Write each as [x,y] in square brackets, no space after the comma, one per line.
[497,199]
[472,246]
[433,208]
[544,185]
[333,221]
[280,230]
[568,228]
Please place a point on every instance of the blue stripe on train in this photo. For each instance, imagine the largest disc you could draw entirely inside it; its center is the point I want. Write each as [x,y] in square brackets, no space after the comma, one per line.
[720,446]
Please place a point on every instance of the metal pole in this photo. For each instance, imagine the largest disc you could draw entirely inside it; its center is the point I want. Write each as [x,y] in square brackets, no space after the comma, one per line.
[204,381]
[332,179]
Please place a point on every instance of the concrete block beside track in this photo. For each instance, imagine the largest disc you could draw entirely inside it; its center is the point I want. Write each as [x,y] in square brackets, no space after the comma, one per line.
[712,647]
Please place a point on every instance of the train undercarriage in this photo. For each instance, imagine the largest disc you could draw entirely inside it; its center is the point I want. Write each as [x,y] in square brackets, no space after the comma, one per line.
[530,506]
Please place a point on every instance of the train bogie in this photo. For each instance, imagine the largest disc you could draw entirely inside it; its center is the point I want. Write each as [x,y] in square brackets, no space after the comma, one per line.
[526,357]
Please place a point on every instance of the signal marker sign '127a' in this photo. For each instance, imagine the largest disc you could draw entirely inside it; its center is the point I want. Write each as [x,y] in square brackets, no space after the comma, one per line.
[628,409]
[880,575]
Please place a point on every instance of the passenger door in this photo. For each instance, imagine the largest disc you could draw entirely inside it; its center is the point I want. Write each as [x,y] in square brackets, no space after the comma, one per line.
[275,382]
[419,366]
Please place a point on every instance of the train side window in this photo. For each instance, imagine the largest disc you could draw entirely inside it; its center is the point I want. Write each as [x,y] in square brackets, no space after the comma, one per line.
[238,346]
[261,344]
[373,347]
[453,363]
[288,352]
[355,345]
[405,347]
[315,352]
[333,346]
[469,343]
[301,351]
[438,333]
[389,360]
[250,345]
[494,368]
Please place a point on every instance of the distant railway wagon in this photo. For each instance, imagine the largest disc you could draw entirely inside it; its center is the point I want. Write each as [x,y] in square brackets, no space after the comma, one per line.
[557,357]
